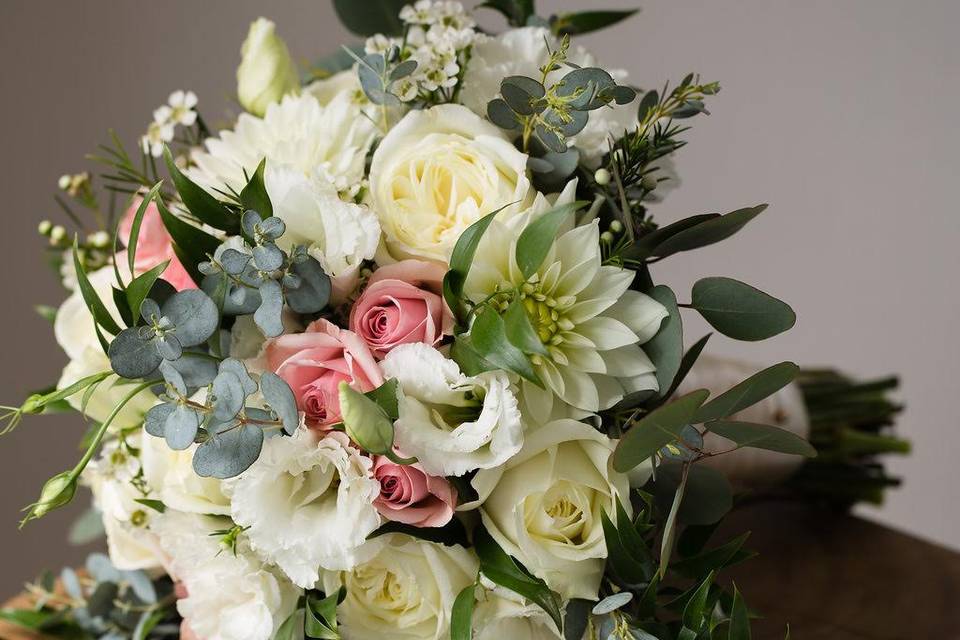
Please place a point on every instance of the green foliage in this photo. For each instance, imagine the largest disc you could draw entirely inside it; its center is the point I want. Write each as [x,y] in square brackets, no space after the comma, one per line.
[538,237]
[191,244]
[488,341]
[665,349]
[581,22]
[203,206]
[749,392]
[461,617]
[517,12]
[655,430]
[763,436]
[320,620]
[371,16]
[452,533]
[740,311]
[254,195]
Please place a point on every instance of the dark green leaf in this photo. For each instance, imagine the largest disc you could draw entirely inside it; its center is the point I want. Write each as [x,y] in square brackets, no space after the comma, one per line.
[536,239]
[500,114]
[371,16]
[254,195]
[139,289]
[517,12]
[707,496]
[452,533]
[649,101]
[575,24]
[489,338]
[576,619]
[460,260]
[645,246]
[520,331]
[386,396]
[619,559]
[97,309]
[695,611]
[655,430]
[749,392]
[461,617]
[313,294]
[740,311]
[321,615]
[763,436]
[739,618]
[711,560]
[156,505]
[201,204]
[709,231]
[191,244]
[666,347]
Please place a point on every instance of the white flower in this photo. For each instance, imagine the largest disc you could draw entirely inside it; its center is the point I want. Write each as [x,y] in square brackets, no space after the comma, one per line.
[324,142]
[159,132]
[74,331]
[309,504]
[405,591]
[521,52]
[266,72]
[590,323]
[451,422]
[544,506]
[437,172]
[170,474]
[230,596]
[502,614]
[345,83]
[182,109]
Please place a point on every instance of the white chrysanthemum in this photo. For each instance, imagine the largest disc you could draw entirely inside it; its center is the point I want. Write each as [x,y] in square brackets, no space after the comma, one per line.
[451,422]
[308,504]
[589,321]
[328,142]
[522,52]
[404,592]
[170,473]
[230,596]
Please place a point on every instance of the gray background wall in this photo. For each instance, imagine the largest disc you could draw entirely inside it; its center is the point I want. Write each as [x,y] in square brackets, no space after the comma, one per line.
[839,113]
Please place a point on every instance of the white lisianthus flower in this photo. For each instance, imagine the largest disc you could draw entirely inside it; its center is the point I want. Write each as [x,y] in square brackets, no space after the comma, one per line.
[544,506]
[170,473]
[522,52]
[405,591]
[308,504]
[230,596]
[591,324]
[266,72]
[438,171]
[451,422]
[74,331]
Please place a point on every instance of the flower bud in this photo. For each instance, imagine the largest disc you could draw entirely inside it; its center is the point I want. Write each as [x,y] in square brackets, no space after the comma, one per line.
[57,234]
[99,239]
[602,177]
[45,227]
[266,72]
[57,492]
[64,182]
[606,237]
[616,226]
[649,183]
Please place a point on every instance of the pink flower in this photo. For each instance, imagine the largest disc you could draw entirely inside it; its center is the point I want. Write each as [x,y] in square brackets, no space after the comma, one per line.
[314,363]
[409,495]
[401,304]
[154,246]
[180,592]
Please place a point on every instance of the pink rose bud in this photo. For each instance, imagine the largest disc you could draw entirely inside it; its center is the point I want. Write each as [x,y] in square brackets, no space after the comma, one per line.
[314,363]
[402,304]
[409,495]
[154,246]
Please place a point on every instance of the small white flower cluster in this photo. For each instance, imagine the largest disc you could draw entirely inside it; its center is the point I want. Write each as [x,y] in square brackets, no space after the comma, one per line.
[178,110]
[437,35]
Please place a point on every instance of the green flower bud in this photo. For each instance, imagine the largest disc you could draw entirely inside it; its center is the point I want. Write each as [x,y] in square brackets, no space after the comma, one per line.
[649,183]
[266,72]
[616,226]
[57,492]
[45,227]
[57,234]
[606,237]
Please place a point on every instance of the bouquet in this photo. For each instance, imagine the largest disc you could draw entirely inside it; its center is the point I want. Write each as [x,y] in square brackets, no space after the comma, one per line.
[385,356]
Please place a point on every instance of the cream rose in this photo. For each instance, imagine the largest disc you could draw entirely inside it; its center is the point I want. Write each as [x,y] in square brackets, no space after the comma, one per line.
[437,172]
[502,614]
[170,474]
[405,591]
[544,505]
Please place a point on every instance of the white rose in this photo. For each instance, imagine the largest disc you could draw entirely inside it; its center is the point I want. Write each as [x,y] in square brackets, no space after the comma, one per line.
[170,474]
[522,52]
[543,506]
[74,331]
[308,504]
[502,614]
[230,596]
[451,422]
[405,591]
[438,171]
[340,235]
[266,72]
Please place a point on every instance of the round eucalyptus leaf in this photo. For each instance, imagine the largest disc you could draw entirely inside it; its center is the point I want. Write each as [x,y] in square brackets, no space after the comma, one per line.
[71,583]
[539,165]
[313,292]
[156,419]
[169,346]
[132,356]
[100,602]
[237,368]
[101,569]
[500,114]
[149,311]
[173,377]
[612,603]
[268,257]
[250,297]
[194,315]
[181,427]
[196,369]
[208,268]
[280,397]
[569,126]
[233,261]
[237,294]
[291,281]
[623,94]
[550,139]
[249,222]
[268,314]
[228,395]
[521,94]
[228,452]
[272,228]
[586,83]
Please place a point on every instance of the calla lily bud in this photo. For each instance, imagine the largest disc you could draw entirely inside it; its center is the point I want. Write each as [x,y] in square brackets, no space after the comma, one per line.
[266,72]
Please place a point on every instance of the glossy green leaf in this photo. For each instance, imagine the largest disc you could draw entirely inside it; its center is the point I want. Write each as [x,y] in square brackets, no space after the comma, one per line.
[517,12]
[96,306]
[460,260]
[739,628]
[139,288]
[191,244]
[488,336]
[695,611]
[707,232]
[574,24]
[371,16]
[740,311]
[665,349]
[655,430]
[134,237]
[520,331]
[536,239]
[461,617]
[763,436]
[749,392]
[201,204]
[646,245]
[254,195]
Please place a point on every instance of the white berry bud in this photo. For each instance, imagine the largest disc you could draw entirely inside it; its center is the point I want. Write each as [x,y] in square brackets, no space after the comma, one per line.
[602,177]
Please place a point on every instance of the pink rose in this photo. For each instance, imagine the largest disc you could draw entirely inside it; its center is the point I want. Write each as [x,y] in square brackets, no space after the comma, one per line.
[409,495]
[314,363]
[401,304]
[154,246]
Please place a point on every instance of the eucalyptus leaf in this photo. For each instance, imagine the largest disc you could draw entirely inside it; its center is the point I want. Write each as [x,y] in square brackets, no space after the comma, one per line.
[168,346]
[228,396]
[234,262]
[313,292]
[749,392]
[665,349]
[132,356]
[763,436]
[612,603]
[740,311]
[268,315]
[574,24]
[522,94]
[229,451]
[156,418]
[586,83]
[500,114]
[647,245]
[280,397]
[196,369]
[707,497]
[709,231]
[656,429]
[181,427]
[194,316]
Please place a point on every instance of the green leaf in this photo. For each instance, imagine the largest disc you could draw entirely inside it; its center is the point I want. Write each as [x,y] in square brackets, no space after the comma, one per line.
[501,569]
[666,347]
[371,16]
[461,617]
[574,24]
[749,392]
[254,196]
[520,331]
[292,627]
[46,312]
[98,310]
[156,505]
[139,289]
[694,612]
[763,436]
[739,618]
[191,244]
[537,237]
[712,559]
[135,227]
[707,495]
[619,559]
[467,358]
[488,336]
[517,12]
[368,424]
[321,615]
[386,396]
[201,204]
[655,430]
[686,363]
[707,232]
[452,533]
[646,246]
[740,311]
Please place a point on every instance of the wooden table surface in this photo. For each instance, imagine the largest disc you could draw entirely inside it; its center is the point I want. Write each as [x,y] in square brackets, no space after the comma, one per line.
[831,577]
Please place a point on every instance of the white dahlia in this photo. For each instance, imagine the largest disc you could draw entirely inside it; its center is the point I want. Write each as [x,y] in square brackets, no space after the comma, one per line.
[308,504]
[584,312]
